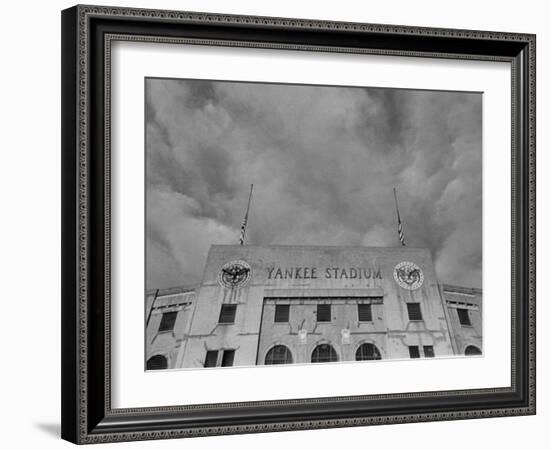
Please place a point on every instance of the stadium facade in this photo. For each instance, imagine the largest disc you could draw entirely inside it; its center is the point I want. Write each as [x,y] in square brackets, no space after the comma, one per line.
[261,305]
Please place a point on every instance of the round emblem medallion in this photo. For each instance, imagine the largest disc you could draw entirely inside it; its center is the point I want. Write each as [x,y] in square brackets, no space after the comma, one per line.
[408,275]
[234,274]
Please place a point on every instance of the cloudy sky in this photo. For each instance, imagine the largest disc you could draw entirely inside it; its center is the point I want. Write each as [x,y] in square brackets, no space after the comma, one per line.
[323,161]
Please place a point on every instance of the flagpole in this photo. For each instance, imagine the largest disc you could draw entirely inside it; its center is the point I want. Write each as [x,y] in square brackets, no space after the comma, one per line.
[152,306]
[400,232]
[245,221]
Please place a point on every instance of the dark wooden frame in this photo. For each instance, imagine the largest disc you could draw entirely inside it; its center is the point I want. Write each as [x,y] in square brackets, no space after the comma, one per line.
[87,32]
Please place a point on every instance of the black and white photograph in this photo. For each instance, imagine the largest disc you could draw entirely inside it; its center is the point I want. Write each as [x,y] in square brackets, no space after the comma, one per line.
[275,225]
[299,224]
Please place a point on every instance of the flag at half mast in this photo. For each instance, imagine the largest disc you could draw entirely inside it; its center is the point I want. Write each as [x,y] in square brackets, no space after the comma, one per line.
[400,231]
[245,221]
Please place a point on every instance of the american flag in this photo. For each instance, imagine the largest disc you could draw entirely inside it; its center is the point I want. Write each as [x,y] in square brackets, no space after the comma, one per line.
[245,221]
[400,231]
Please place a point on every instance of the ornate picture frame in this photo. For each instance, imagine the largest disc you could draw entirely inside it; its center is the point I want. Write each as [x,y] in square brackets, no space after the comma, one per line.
[88,33]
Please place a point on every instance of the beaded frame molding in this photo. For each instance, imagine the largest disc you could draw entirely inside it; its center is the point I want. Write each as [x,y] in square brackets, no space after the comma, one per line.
[87,35]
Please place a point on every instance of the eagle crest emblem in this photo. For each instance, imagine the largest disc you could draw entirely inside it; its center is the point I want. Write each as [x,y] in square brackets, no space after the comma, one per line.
[234,274]
[408,275]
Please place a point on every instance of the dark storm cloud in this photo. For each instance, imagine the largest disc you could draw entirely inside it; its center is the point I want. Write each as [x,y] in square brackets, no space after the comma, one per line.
[323,161]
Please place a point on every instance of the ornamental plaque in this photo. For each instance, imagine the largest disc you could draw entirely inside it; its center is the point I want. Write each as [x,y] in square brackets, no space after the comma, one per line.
[408,275]
[234,274]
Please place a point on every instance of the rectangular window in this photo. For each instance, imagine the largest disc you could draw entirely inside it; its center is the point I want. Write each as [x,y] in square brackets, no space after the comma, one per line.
[211,358]
[414,311]
[429,351]
[282,313]
[414,352]
[227,314]
[364,311]
[464,317]
[323,313]
[168,321]
[228,357]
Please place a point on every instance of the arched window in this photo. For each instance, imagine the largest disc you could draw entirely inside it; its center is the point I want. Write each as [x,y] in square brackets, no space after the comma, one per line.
[367,352]
[157,362]
[324,353]
[472,350]
[279,354]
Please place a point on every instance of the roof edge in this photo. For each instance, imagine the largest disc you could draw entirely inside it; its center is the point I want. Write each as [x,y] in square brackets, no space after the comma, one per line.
[460,289]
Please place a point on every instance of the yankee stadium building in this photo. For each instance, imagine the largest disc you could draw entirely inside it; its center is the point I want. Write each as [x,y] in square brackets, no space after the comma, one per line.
[279,304]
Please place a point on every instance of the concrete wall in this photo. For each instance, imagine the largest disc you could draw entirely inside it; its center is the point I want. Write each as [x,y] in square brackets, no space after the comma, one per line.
[304,277]
[171,342]
[303,317]
[470,300]
[301,271]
